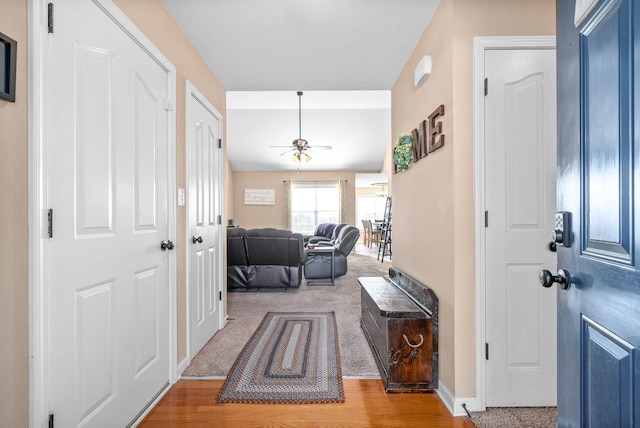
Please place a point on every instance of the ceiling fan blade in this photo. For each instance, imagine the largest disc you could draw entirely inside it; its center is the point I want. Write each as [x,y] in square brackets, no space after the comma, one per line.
[285,152]
[321,147]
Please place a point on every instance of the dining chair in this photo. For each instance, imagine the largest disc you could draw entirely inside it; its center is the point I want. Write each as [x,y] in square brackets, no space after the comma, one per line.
[366,224]
[375,235]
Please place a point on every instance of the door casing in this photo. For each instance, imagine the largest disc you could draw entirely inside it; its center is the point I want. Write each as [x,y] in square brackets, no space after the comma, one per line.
[37,164]
[192,91]
[480,45]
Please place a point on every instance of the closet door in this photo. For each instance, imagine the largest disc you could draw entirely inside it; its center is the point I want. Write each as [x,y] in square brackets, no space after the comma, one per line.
[107,139]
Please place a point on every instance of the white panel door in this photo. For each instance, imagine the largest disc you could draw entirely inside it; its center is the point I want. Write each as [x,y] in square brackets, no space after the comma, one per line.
[107,182]
[204,128]
[520,156]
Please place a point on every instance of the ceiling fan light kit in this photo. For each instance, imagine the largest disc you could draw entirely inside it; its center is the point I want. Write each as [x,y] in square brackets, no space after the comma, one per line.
[299,157]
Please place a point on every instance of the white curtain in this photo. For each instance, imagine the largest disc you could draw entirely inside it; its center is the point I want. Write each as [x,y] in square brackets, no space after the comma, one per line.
[287,204]
[342,191]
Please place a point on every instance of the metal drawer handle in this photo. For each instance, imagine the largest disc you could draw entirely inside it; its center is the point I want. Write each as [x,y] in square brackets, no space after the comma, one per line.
[404,336]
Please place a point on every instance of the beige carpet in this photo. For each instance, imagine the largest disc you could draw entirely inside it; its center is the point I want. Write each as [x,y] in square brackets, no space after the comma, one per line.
[246,310]
[511,417]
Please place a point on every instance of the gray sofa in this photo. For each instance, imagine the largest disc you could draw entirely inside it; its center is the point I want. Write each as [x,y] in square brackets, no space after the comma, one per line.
[263,259]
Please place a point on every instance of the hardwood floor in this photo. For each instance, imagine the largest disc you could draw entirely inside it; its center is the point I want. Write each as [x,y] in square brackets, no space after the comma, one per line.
[190,403]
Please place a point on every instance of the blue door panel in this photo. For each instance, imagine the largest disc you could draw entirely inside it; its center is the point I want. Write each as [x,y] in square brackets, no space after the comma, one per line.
[608,378]
[606,81]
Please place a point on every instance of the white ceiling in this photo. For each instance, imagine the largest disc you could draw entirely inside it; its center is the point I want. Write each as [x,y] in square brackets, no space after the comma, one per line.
[317,46]
[355,124]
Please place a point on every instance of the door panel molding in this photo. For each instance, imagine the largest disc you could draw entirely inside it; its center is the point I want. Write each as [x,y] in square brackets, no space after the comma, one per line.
[612,380]
[607,75]
[480,45]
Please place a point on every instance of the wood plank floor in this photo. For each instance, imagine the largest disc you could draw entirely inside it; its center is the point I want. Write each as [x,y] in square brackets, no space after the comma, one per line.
[190,403]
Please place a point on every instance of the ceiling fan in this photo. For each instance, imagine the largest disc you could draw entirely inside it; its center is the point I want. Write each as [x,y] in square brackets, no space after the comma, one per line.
[299,146]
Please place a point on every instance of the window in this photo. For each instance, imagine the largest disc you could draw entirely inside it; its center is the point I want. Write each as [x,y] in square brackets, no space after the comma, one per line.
[312,204]
[369,207]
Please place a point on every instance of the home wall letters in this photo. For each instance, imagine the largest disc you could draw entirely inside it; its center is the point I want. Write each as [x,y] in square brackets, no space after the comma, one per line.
[428,136]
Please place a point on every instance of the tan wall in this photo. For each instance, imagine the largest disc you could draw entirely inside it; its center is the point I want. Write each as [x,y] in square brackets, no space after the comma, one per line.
[151,17]
[14,275]
[443,214]
[422,196]
[251,216]
[228,192]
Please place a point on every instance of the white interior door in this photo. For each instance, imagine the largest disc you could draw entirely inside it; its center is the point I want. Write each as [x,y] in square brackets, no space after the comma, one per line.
[204,130]
[520,177]
[107,181]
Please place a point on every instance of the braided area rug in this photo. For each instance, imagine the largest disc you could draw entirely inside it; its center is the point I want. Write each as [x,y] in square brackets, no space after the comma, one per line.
[292,358]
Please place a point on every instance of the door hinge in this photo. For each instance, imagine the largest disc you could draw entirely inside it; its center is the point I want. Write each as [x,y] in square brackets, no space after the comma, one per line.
[486,351]
[219,219]
[486,86]
[50,18]
[219,143]
[167,105]
[220,296]
[486,219]
[51,420]
[50,223]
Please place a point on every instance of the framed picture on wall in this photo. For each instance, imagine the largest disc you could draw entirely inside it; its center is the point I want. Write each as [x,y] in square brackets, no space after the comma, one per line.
[8,48]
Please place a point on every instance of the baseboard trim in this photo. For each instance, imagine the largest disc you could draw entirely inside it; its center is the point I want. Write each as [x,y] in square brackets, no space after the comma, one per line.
[182,366]
[455,404]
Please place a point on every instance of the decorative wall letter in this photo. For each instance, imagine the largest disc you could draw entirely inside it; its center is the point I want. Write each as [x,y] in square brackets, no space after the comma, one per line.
[423,133]
[416,145]
[435,130]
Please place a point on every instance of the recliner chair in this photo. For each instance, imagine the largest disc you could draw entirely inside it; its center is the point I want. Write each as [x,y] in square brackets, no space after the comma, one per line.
[318,265]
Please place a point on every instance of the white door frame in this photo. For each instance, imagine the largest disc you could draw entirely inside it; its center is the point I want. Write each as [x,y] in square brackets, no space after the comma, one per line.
[192,91]
[480,45]
[38,201]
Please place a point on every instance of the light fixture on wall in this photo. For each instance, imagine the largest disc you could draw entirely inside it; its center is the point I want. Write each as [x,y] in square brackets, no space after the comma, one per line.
[422,71]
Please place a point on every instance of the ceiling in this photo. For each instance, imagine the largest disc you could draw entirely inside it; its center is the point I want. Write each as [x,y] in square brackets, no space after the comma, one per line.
[355,124]
[344,55]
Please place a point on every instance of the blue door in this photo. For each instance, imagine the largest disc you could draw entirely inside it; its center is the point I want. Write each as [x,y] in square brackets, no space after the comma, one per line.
[598,187]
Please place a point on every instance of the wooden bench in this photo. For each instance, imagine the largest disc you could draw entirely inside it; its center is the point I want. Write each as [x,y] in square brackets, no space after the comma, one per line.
[401,329]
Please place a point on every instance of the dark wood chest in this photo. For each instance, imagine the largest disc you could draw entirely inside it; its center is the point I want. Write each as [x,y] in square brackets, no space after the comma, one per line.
[400,334]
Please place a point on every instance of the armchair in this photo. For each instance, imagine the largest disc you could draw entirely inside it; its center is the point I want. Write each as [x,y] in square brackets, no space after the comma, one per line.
[317,265]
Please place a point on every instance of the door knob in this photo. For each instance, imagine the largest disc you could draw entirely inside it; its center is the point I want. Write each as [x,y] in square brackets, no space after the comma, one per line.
[547,278]
[196,239]
[166,245]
